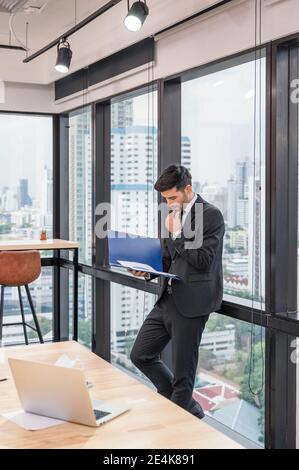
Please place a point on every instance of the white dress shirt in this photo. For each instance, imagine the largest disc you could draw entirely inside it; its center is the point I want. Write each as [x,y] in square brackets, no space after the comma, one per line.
[186,211]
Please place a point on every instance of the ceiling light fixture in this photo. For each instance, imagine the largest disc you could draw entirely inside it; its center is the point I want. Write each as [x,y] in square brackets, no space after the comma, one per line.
[64,56]
[136,15]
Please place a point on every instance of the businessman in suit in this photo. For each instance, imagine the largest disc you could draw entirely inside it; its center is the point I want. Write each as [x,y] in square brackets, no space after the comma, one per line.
[184,305]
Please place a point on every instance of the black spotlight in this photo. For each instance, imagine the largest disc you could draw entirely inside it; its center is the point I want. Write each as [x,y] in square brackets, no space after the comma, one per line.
[136,15]
[64,56]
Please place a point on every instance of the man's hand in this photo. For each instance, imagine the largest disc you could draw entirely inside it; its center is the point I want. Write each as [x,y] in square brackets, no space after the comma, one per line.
[173,222]
[138,273]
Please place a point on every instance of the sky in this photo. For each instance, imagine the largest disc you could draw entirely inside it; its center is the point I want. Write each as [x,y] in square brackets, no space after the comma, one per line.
[218,115]
[25,147]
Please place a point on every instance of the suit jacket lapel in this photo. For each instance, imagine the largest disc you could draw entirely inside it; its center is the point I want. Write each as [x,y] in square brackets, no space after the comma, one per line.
[191,215]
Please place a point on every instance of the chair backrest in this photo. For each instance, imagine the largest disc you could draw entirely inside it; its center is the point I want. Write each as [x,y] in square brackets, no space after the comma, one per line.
[18,268]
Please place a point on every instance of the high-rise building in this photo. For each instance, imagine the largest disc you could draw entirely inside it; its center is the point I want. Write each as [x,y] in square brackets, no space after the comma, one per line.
[23,195]
[242,174]
[231,203]
[8,200]
[186,152]
[47,198]
[256,229]
[237,212]
[122,114]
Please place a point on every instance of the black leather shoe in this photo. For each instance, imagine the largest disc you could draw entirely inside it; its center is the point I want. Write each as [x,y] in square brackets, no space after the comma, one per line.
[197,411]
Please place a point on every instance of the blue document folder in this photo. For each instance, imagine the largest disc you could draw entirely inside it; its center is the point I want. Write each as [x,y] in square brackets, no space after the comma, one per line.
[135,252]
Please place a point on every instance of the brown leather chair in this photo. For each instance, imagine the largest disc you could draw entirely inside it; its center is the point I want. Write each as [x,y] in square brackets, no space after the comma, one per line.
[19,268]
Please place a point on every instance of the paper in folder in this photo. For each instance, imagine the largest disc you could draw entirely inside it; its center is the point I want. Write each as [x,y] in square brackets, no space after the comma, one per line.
[135,252]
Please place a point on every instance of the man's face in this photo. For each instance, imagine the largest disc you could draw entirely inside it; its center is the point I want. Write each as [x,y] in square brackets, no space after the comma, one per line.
[175,198]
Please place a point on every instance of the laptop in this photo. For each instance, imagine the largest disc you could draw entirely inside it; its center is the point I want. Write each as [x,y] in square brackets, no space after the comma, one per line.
[59,392]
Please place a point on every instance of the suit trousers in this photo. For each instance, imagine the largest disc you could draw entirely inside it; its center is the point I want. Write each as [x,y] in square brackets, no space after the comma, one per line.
[165,323]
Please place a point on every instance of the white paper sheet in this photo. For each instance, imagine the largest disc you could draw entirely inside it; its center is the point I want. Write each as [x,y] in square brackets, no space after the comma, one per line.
[2,355]
[31,422]
[3,376]
[145,268]
[65,361]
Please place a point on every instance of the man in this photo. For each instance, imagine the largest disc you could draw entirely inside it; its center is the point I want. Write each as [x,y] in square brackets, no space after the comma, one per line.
[184,305]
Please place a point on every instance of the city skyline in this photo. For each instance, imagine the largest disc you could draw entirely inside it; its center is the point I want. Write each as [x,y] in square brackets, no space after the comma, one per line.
[26,147]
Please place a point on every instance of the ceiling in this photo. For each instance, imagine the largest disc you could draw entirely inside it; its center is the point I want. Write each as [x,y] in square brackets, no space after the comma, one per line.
[11,6]
[48,19]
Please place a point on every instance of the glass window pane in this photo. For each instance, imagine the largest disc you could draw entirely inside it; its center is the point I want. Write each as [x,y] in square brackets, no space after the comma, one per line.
[129,308]
[26,206]
[42,296]
[133,198]
[222,132]
[85,295]
[26,176]
[134,164]
[230,379]
[80,181]
[85,310]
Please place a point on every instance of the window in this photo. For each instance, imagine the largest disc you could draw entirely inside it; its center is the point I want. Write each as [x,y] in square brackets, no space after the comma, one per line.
[85,296]
[80,181]
[42,296]
[134,117]
[134,209]
[222,130]
[129,308]
[230,379]
[85,306]
[26,206]
[26,177]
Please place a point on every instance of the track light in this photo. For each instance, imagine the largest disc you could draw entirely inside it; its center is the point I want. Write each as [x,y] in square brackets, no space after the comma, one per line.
[136,15]
[64,56]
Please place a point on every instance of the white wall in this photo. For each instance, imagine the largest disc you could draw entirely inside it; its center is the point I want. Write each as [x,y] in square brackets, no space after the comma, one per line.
[228,30]
[26,97]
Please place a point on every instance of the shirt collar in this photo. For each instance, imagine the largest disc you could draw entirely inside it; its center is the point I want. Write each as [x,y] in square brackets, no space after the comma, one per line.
[188,207]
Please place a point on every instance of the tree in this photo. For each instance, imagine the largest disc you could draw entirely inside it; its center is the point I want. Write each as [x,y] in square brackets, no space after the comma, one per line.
[84,328]
[45,326]
[252,385]
[5,228]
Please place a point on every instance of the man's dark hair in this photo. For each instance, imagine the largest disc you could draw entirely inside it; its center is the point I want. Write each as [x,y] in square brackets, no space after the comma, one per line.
[173,176]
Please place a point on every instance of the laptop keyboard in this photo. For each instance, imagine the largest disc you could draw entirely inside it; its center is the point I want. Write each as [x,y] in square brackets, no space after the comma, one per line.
[100,414]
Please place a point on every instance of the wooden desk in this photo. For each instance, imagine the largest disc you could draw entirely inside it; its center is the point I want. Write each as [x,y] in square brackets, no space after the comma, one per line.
[57,245]
[51,244]
[152,422]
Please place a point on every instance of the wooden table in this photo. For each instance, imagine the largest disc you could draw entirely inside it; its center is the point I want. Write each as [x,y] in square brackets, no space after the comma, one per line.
[50,244]
[153,422]
[57,245]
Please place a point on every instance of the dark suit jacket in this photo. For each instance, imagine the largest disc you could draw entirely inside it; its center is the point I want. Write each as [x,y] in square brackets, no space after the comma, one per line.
[200,288]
